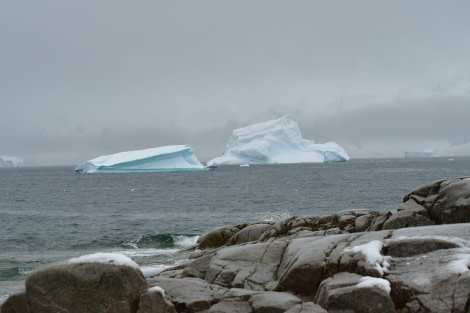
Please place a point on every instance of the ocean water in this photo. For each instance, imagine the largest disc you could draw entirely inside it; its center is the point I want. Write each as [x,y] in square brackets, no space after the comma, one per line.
[49,214]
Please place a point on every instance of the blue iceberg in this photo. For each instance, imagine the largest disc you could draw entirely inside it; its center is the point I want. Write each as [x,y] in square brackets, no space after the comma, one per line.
[10,161]
[160,159]
[276,141]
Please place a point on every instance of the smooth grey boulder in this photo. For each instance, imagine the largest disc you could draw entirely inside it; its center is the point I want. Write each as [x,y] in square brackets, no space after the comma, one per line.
[153,300]
[279,302]
[16,303]
[249,233]
[217,237]
[345,292]
[84,287]
[452,204]
[251,266]
[189,294]
[408,215]
[308,261]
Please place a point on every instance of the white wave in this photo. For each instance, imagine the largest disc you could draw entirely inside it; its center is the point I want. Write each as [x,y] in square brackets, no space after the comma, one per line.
[272,216]
[148,252]
[182,241]
[152,270]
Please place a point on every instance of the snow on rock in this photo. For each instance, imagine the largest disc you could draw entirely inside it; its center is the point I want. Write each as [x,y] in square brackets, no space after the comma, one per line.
[157,289]
[381,283]
[10,161]
[461,264]
[371,251]
[160,159]
[276,141]
[101,257]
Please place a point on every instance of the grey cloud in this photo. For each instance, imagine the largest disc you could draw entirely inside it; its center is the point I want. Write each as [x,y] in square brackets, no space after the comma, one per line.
[89,77]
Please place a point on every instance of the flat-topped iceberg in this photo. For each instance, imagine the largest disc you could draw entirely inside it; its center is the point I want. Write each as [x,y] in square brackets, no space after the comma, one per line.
[160,159]
[276,141]
[10,161]
[420,154]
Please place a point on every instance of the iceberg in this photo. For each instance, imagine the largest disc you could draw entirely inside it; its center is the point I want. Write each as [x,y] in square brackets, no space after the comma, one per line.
[10,161]
[160,159]
[420,154]
[276,141]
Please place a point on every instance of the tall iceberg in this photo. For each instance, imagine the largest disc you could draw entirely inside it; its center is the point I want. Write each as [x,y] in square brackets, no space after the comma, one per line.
[160,159]
[276,141]
[10,161]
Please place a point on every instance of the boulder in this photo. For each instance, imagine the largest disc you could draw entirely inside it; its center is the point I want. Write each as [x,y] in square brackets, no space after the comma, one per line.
[408,215]
[446,201]
[153,300]
[249,233]
[217,237]
[279,302]
[357,220]
[302,267]
[251,266]
[348,292]
[189,294]
[452,204]
[15,303]
[308,261]
[85,287]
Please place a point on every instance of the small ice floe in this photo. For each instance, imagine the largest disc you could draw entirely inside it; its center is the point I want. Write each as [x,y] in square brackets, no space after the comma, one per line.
[381,283]
[245,165]
[102,257]
[371,251]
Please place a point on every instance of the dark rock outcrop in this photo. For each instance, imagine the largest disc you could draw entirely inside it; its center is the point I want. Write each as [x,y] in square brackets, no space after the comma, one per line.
[352,261]
[447,201]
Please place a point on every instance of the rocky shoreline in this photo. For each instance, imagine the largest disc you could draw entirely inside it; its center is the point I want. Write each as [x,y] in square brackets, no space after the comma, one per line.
[414,260]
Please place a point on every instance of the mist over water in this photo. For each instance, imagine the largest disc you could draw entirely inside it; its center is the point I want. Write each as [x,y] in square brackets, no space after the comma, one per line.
[49,214]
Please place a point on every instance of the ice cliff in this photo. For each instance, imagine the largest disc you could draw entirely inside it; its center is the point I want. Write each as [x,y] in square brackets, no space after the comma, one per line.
[276,141]
[160,159]
[10,161]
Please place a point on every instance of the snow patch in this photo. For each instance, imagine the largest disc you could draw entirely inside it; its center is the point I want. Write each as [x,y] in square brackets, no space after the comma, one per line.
[101,257]
[421,280]
[461,265]
[371,251]
[367,282]
[157,289]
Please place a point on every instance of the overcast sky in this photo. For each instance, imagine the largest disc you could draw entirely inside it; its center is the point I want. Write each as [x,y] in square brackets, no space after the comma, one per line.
[80,79]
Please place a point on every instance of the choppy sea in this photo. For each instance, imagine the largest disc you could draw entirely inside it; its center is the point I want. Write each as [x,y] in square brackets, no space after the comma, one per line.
[49,214]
